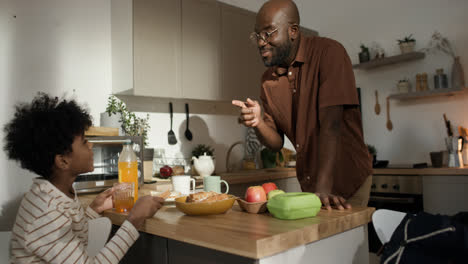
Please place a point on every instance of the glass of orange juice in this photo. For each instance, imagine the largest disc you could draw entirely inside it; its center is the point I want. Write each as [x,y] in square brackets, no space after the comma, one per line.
[123,196]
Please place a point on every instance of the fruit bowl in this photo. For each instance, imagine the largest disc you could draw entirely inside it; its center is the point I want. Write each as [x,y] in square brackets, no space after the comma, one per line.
[253,208]
[204,208]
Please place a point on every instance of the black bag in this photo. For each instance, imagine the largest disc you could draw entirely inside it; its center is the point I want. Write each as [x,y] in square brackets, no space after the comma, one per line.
[427,238]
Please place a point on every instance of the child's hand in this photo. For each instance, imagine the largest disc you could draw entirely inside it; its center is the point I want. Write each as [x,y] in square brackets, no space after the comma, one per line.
[144,208]
[103,201]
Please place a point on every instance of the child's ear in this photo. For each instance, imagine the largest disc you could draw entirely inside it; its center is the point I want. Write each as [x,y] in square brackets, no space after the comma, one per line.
[61,162]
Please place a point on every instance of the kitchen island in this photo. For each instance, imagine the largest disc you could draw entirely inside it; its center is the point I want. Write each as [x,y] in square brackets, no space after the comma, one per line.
[239,237]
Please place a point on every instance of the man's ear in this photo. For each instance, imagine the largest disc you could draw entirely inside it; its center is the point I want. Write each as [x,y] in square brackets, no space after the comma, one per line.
[293,31]
[61,162]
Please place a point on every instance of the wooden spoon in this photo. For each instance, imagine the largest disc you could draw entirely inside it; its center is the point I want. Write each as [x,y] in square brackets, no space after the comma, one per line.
[377,105]
[389,122]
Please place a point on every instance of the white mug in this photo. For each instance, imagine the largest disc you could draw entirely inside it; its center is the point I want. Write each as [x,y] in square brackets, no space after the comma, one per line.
[181,183]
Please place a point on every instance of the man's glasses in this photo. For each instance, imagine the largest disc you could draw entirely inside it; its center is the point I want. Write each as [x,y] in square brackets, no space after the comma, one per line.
[264,35]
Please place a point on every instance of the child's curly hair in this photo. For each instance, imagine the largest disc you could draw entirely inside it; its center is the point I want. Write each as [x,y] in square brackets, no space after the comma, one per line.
[42,129]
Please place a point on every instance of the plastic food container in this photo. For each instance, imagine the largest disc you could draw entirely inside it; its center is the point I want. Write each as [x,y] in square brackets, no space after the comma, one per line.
[294,205]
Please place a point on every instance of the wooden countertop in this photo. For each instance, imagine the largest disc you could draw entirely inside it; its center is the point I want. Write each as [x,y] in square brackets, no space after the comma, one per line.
[424,171]
[282,173]
[250,235]
[247,176]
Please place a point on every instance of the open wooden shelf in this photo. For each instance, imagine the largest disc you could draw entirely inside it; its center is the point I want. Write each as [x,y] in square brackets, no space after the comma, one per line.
[390,60]
[430,93]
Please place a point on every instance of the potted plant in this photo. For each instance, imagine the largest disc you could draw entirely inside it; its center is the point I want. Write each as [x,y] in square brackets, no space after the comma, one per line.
[111,117]
[271,159]
[407,44]
[364,55]
[127,121]
[440,43]
[404,86]
[373,152]
[200,149]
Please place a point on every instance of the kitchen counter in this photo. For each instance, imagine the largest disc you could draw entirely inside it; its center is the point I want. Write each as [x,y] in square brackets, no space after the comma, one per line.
[423,171]
[247,176]
[254,236]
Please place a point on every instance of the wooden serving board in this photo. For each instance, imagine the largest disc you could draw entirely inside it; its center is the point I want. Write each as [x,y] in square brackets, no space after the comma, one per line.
[102,131]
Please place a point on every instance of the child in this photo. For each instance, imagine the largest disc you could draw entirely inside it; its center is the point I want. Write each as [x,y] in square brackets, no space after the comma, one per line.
[47,138]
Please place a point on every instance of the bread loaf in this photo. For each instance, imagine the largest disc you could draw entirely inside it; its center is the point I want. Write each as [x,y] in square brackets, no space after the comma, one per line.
[206,197]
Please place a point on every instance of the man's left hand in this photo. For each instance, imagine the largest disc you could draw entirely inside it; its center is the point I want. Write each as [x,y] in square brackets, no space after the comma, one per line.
[103,201]
[337,201]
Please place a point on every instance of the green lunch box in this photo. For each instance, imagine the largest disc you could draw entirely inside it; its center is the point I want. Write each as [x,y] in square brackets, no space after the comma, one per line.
[294,205]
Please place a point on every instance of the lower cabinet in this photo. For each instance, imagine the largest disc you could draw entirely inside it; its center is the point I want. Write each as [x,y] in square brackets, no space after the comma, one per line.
[445,194]
[147,249]
[155,249]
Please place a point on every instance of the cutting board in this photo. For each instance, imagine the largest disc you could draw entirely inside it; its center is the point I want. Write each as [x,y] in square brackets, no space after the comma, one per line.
[102,131]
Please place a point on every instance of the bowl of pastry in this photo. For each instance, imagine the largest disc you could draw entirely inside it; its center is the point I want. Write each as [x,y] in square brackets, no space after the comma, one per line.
[205,203]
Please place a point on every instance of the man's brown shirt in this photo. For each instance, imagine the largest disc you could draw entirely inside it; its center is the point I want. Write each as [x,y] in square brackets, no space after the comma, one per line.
[321,75]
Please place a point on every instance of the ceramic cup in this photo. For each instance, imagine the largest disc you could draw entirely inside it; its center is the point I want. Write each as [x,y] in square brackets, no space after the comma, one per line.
[213,184]
[181,183]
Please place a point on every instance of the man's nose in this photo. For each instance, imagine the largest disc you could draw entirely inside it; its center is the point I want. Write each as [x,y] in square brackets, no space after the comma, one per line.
[261,42]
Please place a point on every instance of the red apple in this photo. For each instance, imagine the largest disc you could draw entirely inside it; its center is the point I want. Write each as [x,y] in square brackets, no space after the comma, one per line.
[269,186]
[255,194]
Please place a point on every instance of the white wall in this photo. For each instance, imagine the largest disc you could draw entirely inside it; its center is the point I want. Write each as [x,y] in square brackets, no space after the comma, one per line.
[51,46]
[418,125]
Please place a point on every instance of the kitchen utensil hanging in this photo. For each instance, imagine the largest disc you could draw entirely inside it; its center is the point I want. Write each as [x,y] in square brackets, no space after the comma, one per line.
[188,133]
[171,138]
[377,105]
[389,122]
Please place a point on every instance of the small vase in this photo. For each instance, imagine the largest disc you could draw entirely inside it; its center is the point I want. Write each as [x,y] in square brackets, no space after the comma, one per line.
[112,121]
[458,76]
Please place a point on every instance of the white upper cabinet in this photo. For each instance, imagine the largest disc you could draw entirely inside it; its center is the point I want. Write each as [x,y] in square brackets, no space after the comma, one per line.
[201,49]
[146,38]
[184,49]
[242,67]
[156,48]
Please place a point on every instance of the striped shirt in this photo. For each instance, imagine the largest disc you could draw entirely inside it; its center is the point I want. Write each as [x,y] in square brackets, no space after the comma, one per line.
[50,227]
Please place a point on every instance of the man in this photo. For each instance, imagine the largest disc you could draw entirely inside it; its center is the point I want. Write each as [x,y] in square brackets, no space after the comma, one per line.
[308,93]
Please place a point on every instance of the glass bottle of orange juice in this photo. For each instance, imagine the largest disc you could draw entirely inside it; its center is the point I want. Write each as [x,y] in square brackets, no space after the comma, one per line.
[128,167]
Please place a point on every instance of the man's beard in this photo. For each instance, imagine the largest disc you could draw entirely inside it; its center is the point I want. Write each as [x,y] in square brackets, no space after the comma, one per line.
[280,55]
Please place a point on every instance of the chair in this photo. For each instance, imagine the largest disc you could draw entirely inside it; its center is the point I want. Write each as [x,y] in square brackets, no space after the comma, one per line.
[98,233]
[385,222]
[5,246]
